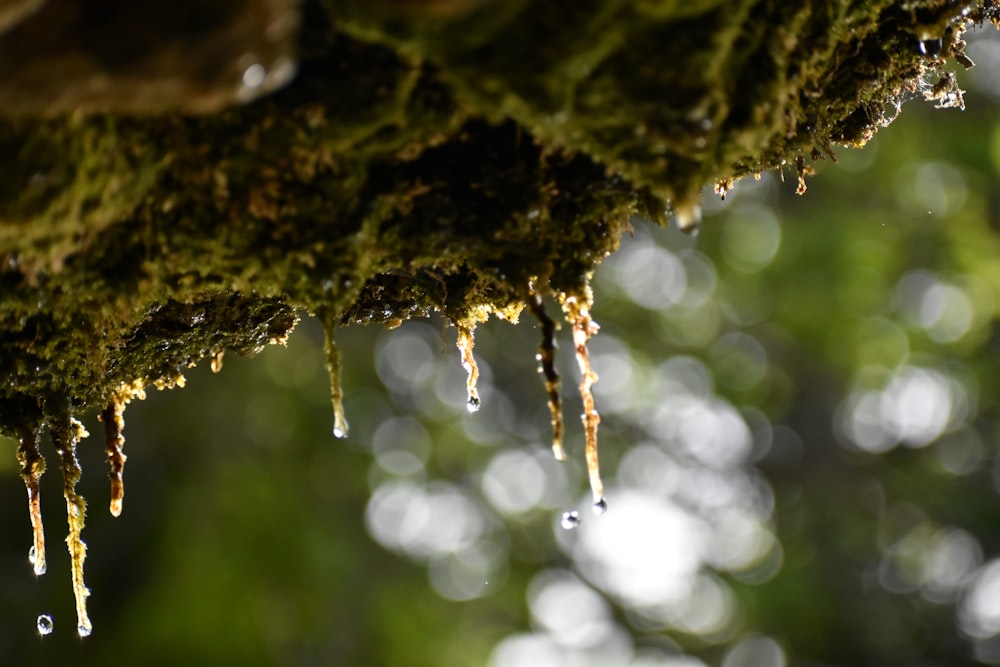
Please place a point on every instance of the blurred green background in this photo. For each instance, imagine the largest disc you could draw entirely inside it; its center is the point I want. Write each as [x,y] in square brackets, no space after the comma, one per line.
[799,441]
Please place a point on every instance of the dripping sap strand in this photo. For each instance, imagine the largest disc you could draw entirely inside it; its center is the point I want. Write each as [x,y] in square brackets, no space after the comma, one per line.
[66,432]
[466,343]
[32,466]
[546,357]
[583,328]
[340,425]
[114,441]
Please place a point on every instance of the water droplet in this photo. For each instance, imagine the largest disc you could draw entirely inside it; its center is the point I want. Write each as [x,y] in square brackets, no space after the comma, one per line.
[931,47]
[254,75]
[473,404]
[600,507]
[84,629]
[217,360]
[339,432]
[44,624]
[570,520]
[688,215]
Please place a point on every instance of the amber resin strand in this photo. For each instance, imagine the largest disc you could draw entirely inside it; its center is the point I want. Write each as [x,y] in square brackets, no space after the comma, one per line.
[332,353]
[547,358]
[114,441]
[66,432]
[583,328]
[32,466]
[466,343]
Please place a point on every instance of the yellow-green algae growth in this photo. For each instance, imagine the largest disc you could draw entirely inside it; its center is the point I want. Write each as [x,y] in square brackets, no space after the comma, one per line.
[461,156]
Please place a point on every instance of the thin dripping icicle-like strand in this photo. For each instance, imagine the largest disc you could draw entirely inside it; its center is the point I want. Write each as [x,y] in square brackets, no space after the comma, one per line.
[466,344]
[32,466]
[114,441]
[546,358]
[332,353]
[66,433]
[583,328]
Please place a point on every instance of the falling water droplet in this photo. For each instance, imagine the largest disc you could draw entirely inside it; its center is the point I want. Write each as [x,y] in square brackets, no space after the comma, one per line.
[340,426]
[570,520]
[466,343]
[600,507]
[44,624]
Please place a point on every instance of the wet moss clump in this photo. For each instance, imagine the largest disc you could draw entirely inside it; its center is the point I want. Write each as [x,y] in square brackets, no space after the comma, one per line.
[462,156]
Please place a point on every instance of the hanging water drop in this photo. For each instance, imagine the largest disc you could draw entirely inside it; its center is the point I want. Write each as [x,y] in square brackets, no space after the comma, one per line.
[570,520]
[600,507]
[114,441]
[687,212]
[66,432]
[931,46]
[44,624]
[32,467]
[340,426]
[466,343]
[546,357]
[584,327]
[84,629]
[217,360]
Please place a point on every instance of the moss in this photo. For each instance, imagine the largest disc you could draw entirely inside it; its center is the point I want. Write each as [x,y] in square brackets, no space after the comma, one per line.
[422,160]
[429,156]
[464,156]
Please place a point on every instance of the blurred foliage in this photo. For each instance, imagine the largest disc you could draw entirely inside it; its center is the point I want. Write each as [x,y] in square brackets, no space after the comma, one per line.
[798,436]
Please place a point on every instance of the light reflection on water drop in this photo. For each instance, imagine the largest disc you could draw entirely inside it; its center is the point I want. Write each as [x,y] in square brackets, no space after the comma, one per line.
[44,624]
[570,520]
[473,405]
[37,563]
[600,507]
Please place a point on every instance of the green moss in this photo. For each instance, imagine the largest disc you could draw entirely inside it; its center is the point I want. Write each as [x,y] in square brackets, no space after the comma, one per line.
[420,161]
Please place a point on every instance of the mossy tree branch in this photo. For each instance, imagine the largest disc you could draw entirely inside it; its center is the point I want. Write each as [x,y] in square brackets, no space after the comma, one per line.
[428,155]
